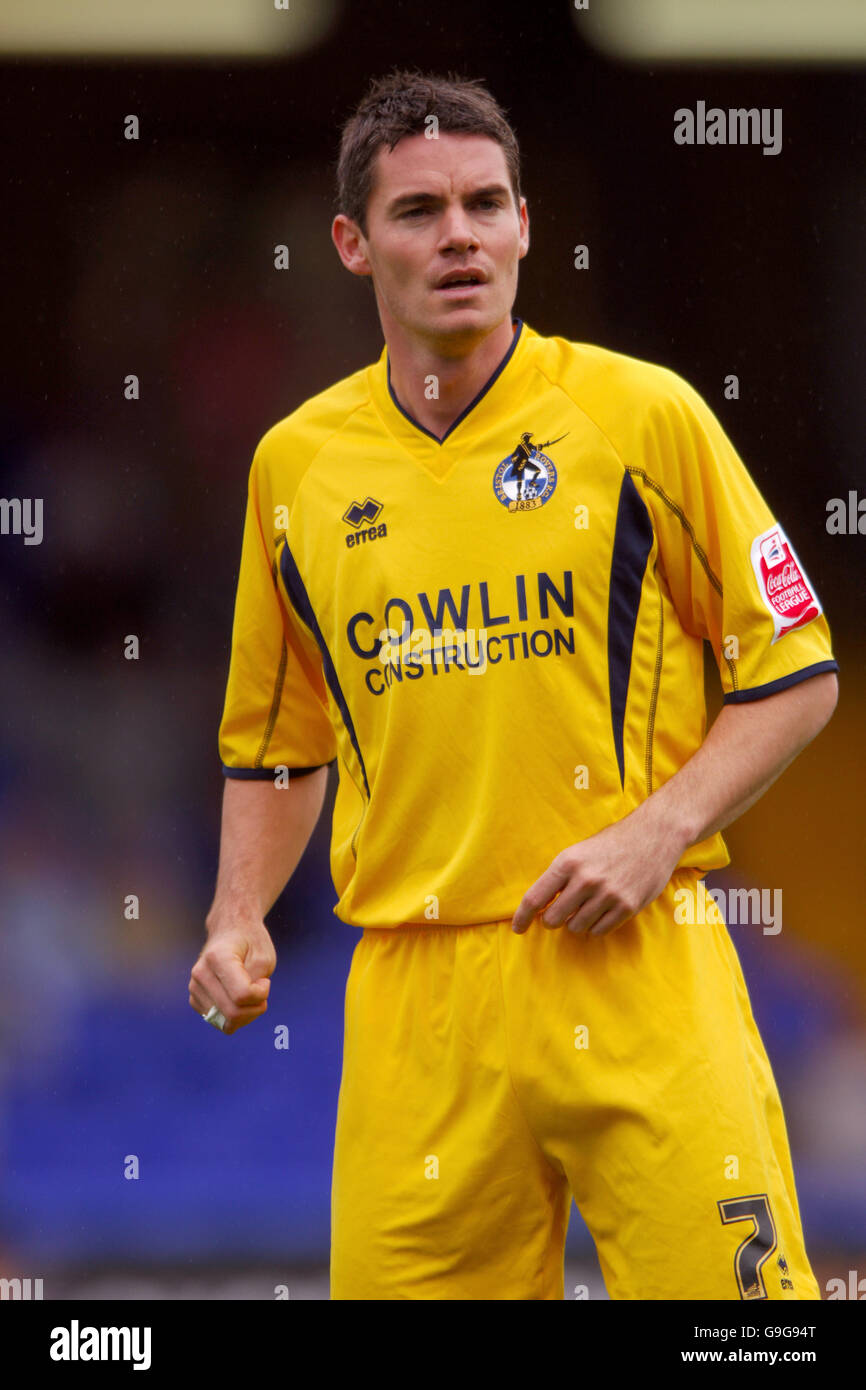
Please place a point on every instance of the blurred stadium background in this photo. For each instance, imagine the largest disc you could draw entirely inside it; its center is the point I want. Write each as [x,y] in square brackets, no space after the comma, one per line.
[155,257]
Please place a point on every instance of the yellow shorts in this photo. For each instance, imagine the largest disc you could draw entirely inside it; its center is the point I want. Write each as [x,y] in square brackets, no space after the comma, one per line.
[489,1077]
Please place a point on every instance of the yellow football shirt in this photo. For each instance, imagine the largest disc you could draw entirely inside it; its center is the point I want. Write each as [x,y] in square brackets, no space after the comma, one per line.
[499,636]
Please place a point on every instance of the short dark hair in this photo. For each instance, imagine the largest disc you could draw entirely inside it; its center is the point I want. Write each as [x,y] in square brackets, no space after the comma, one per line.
[399,104]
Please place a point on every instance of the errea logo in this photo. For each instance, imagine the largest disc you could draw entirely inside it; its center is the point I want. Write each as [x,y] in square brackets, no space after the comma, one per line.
[359,513]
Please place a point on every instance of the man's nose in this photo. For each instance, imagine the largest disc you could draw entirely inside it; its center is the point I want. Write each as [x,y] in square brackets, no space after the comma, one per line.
[457,228]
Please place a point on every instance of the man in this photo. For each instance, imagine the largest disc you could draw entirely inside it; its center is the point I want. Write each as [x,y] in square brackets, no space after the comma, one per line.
[513,688]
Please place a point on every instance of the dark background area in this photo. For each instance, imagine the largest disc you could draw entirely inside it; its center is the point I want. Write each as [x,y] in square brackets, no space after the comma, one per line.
[155,257]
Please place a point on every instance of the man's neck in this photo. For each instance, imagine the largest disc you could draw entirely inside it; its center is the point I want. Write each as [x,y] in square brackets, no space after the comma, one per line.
[435,390]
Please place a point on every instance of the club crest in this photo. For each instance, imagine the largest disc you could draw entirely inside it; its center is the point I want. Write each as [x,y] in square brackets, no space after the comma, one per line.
[526,478]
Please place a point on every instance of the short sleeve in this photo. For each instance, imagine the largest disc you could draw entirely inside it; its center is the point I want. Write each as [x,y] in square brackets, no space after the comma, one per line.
[733,574]
[275,712]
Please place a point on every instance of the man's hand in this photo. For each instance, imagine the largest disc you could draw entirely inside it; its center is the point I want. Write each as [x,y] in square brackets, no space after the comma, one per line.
[233,971]
[605,880]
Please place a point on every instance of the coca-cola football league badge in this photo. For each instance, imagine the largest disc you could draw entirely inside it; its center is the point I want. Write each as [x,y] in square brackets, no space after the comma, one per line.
[783,582]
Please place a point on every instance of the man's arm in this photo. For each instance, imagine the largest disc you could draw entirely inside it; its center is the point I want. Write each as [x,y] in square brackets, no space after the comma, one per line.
[606,879]
[265,830]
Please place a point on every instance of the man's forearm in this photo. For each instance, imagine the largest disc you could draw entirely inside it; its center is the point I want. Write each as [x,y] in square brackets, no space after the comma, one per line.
[265,830]
[747,748]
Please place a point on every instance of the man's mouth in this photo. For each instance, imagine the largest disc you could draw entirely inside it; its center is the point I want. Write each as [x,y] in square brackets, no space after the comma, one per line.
[460,289]
[460,282]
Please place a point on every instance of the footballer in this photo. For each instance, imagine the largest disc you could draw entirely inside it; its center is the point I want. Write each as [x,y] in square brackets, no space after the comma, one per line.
[478,575]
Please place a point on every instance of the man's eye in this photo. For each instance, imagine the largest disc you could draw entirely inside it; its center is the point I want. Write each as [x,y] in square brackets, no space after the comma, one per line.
[412,211]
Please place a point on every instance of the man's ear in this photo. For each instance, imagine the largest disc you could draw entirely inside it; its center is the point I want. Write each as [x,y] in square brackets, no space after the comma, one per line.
[524,207]
[350,243]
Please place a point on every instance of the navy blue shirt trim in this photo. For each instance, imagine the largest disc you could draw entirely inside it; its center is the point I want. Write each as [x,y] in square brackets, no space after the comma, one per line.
[267,773]
[300,598]
[472,404]
[632,543]
[759,692]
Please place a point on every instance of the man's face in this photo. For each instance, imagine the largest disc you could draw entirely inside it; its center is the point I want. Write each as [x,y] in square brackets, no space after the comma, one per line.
[442,208]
